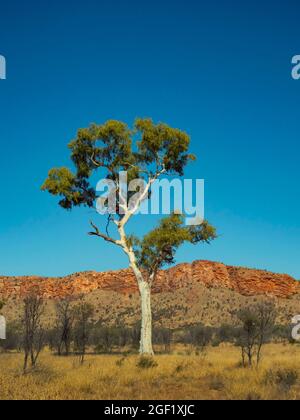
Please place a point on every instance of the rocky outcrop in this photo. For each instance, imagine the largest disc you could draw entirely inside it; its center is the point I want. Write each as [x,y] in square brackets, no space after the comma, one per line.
[247,282]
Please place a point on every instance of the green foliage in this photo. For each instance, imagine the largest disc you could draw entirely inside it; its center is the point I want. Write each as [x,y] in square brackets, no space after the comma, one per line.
[74,190]
[158,248]
[257,328]
[163,141]
[112,148]
[146,151]
[249,322]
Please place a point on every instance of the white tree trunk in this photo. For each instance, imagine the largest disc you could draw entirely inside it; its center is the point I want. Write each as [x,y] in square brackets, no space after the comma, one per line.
[146,330]
[145,293]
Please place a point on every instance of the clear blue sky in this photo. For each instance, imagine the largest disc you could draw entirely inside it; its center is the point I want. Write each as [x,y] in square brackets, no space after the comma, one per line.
[220,70]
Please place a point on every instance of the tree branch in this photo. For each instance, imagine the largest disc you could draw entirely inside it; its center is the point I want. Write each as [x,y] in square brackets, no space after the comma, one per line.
[99,164]
[97,232]
[131,212]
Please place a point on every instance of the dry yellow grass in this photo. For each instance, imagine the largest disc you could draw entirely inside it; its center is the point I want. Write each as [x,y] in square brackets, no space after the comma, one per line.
[179,376]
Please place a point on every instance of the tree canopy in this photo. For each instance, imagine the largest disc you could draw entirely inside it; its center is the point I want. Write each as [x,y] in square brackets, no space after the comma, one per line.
[143,152]
[146,151]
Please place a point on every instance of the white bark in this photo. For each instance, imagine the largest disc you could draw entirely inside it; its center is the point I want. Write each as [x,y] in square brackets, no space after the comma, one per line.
[144,286]
[145,293]
[146,331]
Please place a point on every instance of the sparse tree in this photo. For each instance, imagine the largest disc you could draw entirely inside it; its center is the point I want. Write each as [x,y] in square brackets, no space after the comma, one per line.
[33,335]
[105,338]
[247,335]
[64,324]
[266,317]
[83,313]
[226,333]
[163,336]
[124,335]
[257,326]
[112,148]
[199,336]
[282,334]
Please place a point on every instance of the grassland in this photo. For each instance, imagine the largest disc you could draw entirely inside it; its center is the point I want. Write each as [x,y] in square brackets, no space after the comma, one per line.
[215,376]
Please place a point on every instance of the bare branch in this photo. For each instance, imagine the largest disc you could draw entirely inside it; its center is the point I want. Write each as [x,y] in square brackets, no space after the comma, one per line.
[103,236]
[142,171]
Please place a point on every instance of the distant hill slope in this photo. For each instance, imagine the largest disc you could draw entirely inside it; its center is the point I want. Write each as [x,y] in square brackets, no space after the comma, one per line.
[203,291]
[247,282]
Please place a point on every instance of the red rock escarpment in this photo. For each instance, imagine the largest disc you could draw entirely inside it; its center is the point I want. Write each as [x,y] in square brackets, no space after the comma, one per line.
[245,281]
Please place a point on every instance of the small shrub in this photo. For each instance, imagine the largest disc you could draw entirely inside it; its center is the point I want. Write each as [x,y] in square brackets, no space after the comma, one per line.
[146,362]
[42,374]
[180,368]
[120,362]
[284,378]
[216,383]
[253,396]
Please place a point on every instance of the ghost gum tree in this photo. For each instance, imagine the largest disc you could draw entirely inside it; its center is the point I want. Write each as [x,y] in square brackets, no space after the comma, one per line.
[148,151]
